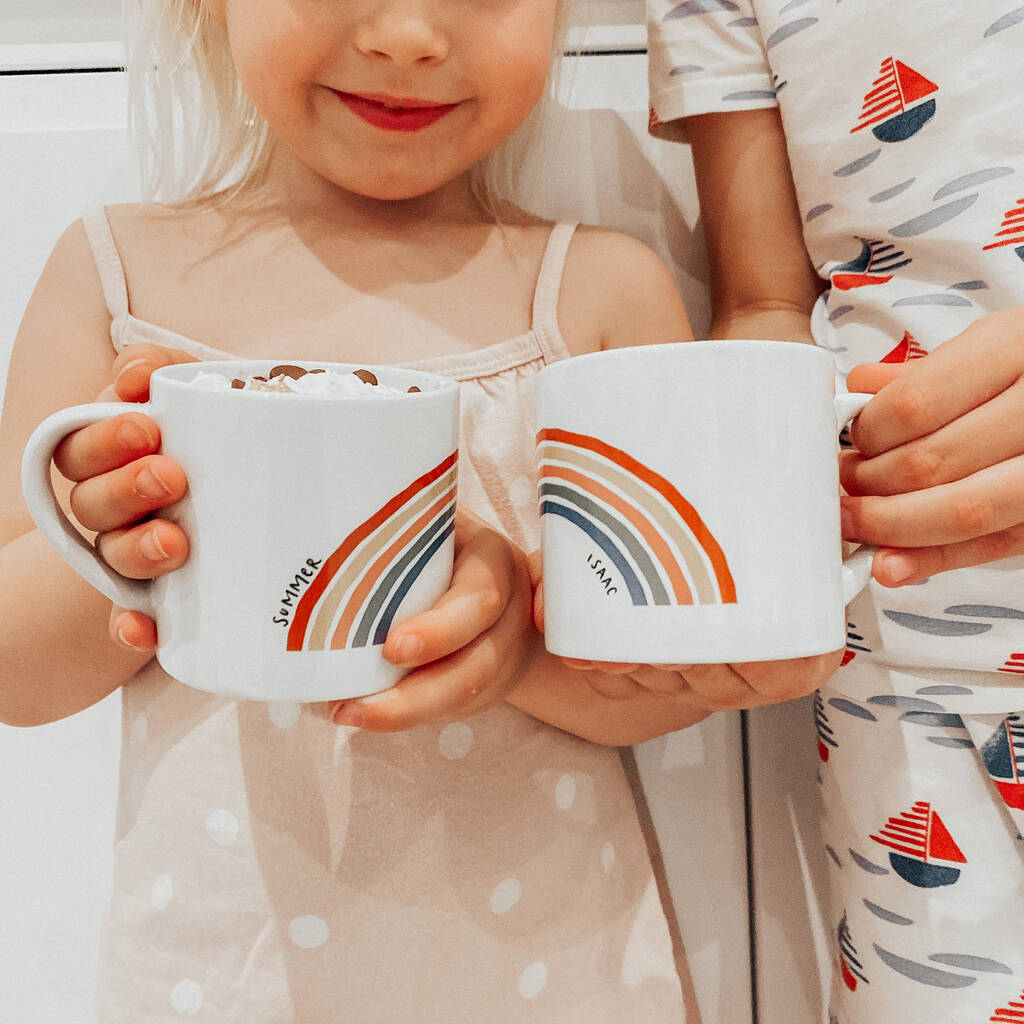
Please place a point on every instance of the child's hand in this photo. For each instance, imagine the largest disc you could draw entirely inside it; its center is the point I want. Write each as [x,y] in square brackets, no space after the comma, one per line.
[938,476]
[713,688]
[467,651]
[706,687]
[120,480]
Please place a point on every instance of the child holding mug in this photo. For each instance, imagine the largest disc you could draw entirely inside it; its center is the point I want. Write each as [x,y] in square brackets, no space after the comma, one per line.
[869,153]
[334,201]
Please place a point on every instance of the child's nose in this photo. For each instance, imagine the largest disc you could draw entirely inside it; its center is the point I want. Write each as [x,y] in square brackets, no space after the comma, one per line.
[404,32]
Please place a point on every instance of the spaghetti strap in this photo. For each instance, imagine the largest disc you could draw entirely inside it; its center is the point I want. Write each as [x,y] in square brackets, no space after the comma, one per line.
[108,263]
[545,297]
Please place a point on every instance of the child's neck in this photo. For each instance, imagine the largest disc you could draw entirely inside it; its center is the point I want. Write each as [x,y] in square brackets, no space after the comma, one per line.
[298,194]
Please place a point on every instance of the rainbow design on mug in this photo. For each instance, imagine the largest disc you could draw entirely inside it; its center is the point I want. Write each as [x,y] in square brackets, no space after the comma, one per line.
[652,535]
[353,599]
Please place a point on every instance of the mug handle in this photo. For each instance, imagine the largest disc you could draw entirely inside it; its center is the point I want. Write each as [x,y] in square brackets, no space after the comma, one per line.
[44,508]
[856,567]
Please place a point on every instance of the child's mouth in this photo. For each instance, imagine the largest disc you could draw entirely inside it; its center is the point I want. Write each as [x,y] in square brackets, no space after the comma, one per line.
[394,114]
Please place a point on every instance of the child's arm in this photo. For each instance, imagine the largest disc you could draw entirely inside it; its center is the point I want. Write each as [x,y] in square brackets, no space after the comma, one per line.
[938,481]
[615,293]
[762,281]
[56,652]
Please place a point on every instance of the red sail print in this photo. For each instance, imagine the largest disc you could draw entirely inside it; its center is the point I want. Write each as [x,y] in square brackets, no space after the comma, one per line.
[906,350]
[1011,1013]
[1014,663]
[850,967]
[1011,230]
[896,87]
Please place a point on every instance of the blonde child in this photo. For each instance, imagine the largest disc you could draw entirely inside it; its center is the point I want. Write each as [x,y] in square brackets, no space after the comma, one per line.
[870,152]
[473,852]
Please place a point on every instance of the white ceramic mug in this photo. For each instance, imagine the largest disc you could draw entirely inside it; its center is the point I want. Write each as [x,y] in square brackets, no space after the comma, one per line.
[314,523]
[690,504]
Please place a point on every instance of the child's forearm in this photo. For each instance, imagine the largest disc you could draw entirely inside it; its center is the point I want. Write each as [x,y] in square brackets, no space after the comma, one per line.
[777,322]
[56,656]
[561,696]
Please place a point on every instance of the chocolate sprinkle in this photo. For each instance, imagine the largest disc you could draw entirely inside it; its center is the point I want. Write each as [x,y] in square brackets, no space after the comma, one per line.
[413,390]
[365,376]
[236,383]
[318,371]
[287,370]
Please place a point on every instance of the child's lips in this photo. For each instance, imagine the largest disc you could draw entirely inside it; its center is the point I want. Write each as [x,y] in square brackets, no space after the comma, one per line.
[394,113]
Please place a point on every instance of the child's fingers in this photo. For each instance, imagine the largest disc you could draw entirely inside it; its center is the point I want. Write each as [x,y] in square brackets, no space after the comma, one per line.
[133,629]
[900,566]
[107,445]
[134,365]
[476,676]
[141,552]
[123,495]
[870,378]
[960,375]
[453,688]
[481,586]
[987,502]
[989,434]
[534,567]
[758,683]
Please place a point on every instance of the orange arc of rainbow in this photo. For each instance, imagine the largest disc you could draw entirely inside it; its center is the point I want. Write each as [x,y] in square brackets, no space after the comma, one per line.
[689,515]
[297,630]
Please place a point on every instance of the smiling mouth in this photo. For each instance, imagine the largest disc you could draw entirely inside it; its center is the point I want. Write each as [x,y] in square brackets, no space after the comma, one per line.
[394,114]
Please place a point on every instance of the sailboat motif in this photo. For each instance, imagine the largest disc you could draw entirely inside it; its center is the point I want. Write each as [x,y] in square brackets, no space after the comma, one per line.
[851,969]
[891,108]
[1014,664]
[918,839]
[1011,231]
[1011,1013]
[1003,754]
[907,349]
[826,737]
[875,264]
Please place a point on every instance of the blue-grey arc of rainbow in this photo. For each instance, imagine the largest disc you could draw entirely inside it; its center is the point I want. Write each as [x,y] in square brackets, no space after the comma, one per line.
[640,557]
[431,539]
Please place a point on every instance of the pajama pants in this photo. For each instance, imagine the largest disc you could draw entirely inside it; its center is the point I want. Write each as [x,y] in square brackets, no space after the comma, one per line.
[923,826]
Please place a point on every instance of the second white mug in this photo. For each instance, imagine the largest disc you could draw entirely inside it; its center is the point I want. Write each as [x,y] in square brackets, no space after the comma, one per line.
[690,503]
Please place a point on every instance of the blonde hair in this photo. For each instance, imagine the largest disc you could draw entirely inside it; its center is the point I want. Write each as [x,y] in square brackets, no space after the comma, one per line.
[202,140]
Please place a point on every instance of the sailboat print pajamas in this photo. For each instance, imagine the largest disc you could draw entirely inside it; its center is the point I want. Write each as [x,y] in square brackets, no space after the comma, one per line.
[904,123]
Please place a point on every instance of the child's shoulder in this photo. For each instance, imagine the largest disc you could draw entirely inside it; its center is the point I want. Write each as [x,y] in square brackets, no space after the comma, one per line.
[617,291]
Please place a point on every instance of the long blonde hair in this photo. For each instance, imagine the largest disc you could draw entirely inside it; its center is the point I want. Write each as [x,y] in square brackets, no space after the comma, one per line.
[202,140]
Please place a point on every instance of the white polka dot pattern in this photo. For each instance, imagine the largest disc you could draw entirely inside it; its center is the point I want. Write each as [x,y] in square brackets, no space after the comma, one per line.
[521,491]
[608,857]
[163,890]
[187,998]
[532,980]
[222,827]
[565,792]
[505,895]
[284,713]
[455,740]
[308,931]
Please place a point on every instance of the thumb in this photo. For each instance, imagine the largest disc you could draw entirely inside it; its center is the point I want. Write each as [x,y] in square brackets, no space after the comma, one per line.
[870,378]
[533,564]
